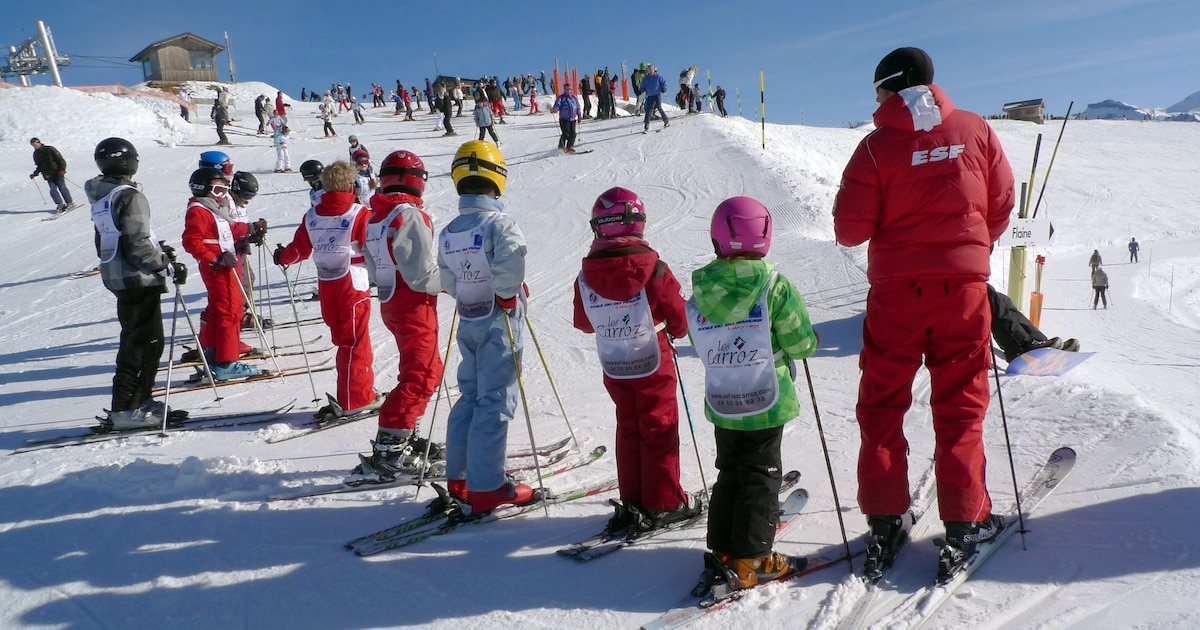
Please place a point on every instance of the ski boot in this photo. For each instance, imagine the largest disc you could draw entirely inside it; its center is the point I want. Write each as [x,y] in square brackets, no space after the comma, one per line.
[958,548]
[334,410]
[883,541]
[625,520]
[397,452]
[232,371]
[688,509]
[480,504]
[192,355]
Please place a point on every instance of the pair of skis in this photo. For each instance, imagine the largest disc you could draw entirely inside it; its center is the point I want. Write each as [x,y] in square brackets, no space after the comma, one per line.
[605,542]
[324,365]
[440,523]
[921,605]
[192,423]
[555,453]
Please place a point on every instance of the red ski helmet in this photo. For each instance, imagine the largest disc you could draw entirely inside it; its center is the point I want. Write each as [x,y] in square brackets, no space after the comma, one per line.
[402,172]
[741,225]
[618,212]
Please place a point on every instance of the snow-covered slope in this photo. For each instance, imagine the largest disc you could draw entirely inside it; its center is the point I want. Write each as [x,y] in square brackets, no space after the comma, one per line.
[177,532]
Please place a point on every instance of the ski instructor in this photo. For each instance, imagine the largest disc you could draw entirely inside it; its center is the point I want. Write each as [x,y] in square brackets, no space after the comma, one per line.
[53,167]
[931,189]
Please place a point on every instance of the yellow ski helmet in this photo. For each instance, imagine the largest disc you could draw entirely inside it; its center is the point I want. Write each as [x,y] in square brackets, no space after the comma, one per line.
[479,159]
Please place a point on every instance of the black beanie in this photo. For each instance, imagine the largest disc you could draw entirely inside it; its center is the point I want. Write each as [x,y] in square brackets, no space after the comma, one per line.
[913,64]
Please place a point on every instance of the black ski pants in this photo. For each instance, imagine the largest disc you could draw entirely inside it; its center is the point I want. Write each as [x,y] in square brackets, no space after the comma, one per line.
[745,500]
[141,346]
[567,138]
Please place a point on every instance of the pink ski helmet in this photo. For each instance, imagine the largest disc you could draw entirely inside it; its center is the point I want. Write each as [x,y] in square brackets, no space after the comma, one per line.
[618,212]
[741,225]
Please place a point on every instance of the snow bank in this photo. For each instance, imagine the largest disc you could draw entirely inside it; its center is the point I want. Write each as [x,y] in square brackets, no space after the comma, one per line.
[72,119]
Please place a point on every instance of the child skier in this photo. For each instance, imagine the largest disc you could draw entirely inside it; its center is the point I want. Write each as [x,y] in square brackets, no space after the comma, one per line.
[624,286]
[481,259]
[215,240]
[749,325]
[398,255]
[364,181]
[483,120]
[283,141]
[339,226]
[133,266]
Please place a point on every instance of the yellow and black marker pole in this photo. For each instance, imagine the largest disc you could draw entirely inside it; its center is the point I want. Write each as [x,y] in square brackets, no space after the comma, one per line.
[762,105]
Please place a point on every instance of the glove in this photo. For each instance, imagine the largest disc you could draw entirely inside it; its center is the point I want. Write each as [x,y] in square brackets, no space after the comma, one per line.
[510,305]
[277,256]
[178,273]
[258,232]
[242,247]
[62,173]
[167,250]
[525,287]
[32,175]
[227,260]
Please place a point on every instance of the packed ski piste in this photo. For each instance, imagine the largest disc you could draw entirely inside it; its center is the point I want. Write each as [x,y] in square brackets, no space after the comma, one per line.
[666,385]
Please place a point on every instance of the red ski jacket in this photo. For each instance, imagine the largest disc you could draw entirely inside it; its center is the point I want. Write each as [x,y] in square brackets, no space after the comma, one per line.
[930,188]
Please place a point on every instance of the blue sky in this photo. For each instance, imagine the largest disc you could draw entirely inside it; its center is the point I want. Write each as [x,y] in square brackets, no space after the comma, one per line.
[818,57]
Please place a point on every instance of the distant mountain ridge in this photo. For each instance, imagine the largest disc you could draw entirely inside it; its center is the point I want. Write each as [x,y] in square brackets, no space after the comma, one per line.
[1187,110]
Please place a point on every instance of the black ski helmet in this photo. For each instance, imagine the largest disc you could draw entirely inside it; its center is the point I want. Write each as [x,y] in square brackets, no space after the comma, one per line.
[310,170]
[245,185]
[201,181]
[116,157]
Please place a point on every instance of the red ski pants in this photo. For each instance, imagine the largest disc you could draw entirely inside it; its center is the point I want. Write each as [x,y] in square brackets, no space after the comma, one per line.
[415,327]
[347,312]
[648,437]
[947,323]
[221,321]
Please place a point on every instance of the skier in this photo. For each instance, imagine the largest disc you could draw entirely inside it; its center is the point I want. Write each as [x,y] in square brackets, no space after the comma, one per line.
[623,277]
[481,260]
[220,116]
[1099,287]
[243,187]
[931,223]
[364,182]
[635,80]
[585,91]
[1015,334]
[356,107]
[280,106]
[653,86]
[237,215]
[399,259]
[719,100]
[483,120]
[340,226]
[569,115]
[134,268]
[740,299]
[310,172]
[324,114]
[697,101]
[260,112]
[1095,261]
[215,241]
[283,141]
[1133,250]
[52,166]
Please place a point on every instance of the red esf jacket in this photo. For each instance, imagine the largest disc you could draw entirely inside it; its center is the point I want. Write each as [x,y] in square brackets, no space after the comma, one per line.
[620,273]
[930,188]
[201,237]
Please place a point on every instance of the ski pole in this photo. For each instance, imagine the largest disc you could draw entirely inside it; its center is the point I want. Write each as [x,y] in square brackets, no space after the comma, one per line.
[441,390]
[262,336]
[200,350]
[40,193]
[1052,155]
[266,286]
[546,366]
[171,362]
[300,333]
[1008,445]
[687,410]
[537,466]
[837,504]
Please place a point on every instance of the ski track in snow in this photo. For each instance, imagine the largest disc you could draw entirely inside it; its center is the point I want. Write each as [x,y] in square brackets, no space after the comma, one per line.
[177,531]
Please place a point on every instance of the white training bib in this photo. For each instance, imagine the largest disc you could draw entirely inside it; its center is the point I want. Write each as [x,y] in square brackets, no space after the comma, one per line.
[626,337]
[381,255]
[739,367]
[110,234]
[331,240]
[464,253]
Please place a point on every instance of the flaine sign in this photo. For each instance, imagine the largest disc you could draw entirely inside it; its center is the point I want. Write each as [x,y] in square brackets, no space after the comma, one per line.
[1026,232]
